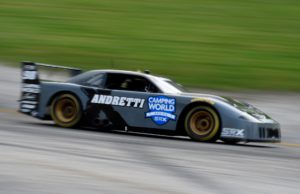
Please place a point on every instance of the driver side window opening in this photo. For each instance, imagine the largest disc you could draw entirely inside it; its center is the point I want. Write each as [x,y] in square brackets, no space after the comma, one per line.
[127,82]
[90,78]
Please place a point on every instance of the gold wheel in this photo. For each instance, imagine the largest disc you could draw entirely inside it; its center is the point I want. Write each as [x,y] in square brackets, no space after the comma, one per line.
[202,124]
[66,110]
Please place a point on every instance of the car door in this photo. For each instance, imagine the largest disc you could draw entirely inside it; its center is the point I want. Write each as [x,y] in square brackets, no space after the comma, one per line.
[125,100]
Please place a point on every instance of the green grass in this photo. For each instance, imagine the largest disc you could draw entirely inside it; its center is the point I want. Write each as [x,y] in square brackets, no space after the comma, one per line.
[220,44]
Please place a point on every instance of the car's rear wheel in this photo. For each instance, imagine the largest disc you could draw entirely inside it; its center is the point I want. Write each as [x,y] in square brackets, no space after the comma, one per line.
[202,123]
[66,110]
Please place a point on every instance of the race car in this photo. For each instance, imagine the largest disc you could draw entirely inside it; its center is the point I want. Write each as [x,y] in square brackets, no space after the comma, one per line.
[140,101]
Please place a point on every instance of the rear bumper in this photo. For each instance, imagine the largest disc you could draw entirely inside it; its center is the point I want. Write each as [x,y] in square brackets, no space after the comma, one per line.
[253,132]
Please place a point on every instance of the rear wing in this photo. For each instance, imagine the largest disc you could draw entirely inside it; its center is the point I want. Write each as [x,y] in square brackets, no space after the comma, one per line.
[31,70]
[71,70]
[31,80]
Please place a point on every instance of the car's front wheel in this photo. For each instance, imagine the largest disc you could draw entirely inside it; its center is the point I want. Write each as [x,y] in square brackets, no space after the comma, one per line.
[202,123]
[66,110]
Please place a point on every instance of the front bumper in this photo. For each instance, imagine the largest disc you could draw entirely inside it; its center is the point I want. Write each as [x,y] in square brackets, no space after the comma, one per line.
[253,132]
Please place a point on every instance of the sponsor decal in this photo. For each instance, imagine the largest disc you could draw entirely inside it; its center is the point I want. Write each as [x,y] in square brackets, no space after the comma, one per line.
[161,109]
[24,110]
[28,106]
[31,88]
[231,132]
[29,102]
[29,96]
[118,101]
[30,75]
[29,99]
[30,67]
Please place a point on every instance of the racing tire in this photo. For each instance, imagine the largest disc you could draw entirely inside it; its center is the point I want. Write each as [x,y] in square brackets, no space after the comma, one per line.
[202,123]
[66,111]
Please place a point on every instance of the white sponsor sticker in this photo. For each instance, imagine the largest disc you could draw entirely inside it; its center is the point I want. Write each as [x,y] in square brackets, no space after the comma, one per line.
[25,110]
[118,101]
[231,132]
[36,86]
[29,96]
[31,88]
[30,67]
[28,106]
[28,102]
[29,75]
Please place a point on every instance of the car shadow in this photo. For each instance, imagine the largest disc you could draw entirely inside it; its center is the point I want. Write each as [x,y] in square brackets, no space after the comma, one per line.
[148,135]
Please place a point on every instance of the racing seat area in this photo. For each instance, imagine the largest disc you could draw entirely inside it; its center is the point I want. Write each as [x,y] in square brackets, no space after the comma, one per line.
[129,83]
[137,85]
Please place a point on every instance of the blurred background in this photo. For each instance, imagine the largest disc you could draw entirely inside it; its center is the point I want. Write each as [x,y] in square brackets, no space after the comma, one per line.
[247,49]
[215,44]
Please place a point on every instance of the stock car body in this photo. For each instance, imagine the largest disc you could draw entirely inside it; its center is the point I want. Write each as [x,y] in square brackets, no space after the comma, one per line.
[127,100]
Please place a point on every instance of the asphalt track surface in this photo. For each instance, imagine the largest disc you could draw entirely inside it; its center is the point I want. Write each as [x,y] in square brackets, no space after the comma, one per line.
[38,157]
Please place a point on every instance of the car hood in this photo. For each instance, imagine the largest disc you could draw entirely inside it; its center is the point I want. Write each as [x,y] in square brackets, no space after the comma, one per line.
[240,105]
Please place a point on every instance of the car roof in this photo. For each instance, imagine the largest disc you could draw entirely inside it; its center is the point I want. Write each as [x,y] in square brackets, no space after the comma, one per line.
[139,73]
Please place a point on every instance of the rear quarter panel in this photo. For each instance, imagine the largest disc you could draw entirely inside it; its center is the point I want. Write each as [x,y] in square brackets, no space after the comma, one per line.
[50,89]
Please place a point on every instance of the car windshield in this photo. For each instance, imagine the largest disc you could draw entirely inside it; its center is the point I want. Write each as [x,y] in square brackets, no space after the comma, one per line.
[169,86]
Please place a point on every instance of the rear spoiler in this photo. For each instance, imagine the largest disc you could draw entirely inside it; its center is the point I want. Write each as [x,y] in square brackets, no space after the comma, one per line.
[73,71]
[30,92]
